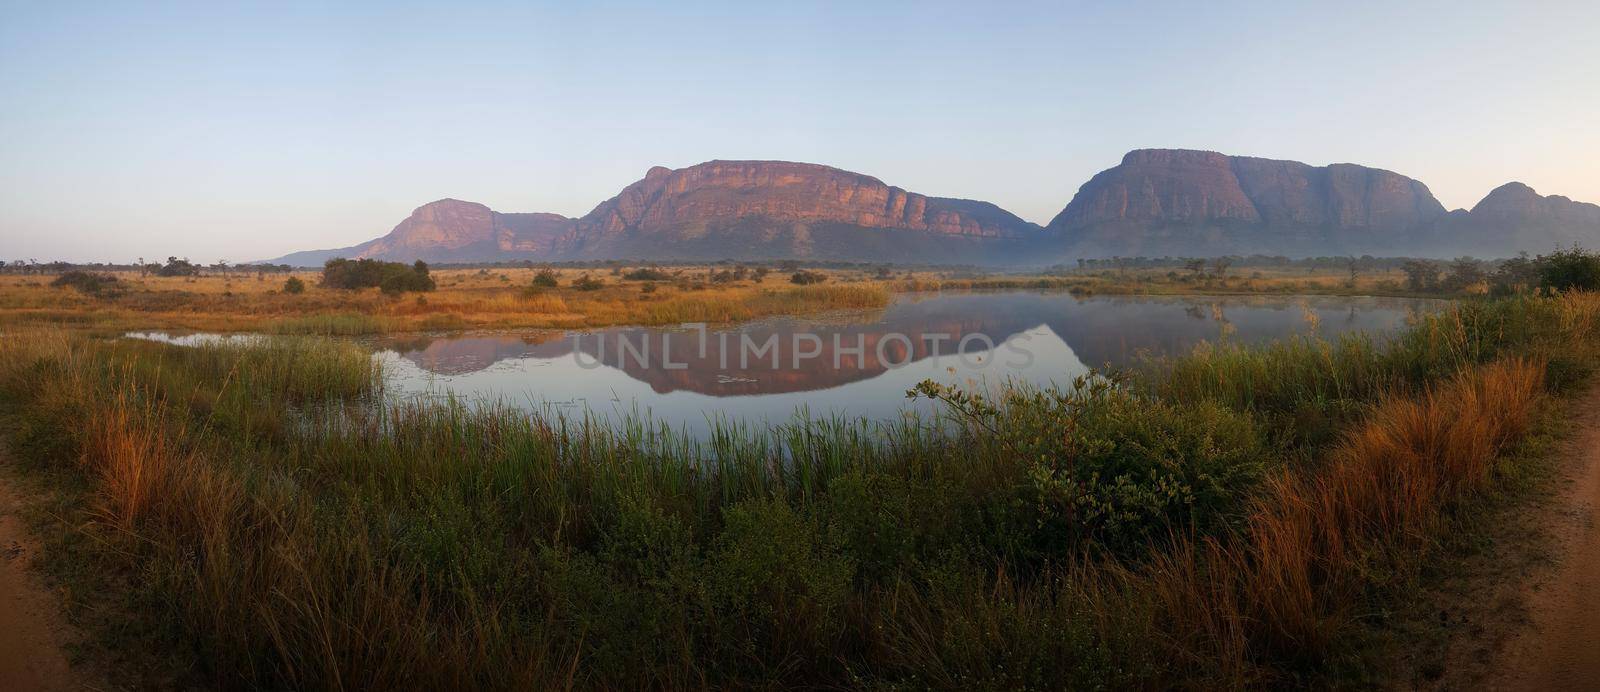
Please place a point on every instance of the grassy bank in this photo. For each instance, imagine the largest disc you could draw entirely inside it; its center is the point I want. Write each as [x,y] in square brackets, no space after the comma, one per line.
[1158,282]
[465,299]
[508,299]
[1233,517]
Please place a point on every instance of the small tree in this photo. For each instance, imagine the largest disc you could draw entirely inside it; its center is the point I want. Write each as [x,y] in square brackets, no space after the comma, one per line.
[1219,266]
[1464,272]
[1422,276]
[1566,270]
[178,267]
[546,278]
[1514,275]
[294,286]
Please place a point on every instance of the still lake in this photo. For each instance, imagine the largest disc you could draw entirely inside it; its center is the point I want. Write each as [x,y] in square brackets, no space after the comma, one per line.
[856,364]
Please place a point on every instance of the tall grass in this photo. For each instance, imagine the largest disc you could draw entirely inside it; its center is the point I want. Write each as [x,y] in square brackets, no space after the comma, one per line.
[464,300]
[1220,519]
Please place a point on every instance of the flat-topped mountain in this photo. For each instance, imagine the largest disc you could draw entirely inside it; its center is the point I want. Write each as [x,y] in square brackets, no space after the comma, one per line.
[1182,202]
[715,210]
[1157,202]
[782,209]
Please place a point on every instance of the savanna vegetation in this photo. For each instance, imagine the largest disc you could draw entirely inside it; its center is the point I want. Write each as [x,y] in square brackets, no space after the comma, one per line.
[253,514]
[390,277]
[368,296]
[362,299]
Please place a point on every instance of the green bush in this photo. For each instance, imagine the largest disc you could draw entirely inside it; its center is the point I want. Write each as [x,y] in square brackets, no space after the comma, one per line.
[1567,270]
[806,278]
[391,277]
[546,278]
[647,274]
[91,283]
[588,283]
[294,286]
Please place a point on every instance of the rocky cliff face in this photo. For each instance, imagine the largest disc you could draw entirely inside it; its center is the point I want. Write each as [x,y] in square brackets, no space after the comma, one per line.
[784,209]
[453,230]
[1182,202]
[1156,202]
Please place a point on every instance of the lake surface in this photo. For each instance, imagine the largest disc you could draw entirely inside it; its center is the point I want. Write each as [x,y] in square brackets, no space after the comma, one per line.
[858,364]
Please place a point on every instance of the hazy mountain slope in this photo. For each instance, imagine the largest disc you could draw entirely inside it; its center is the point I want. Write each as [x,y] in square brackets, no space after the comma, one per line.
[1156,202]
[1182,202]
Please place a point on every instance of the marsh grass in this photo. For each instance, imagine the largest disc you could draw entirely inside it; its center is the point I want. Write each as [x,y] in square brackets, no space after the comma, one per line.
[1222,519]
[464,300]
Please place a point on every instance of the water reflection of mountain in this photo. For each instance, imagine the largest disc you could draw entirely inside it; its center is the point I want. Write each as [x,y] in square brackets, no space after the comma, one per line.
[730,361]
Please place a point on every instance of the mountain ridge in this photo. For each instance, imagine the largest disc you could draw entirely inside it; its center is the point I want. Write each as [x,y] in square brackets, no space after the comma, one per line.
[1155,202]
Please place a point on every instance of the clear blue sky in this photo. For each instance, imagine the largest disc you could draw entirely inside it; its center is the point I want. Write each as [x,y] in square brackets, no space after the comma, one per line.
[131,129]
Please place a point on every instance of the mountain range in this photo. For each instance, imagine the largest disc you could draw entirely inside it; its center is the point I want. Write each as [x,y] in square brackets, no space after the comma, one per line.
[1156,202]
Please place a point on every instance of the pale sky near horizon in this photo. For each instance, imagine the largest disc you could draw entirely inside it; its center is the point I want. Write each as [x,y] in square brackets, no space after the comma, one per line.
[242,133]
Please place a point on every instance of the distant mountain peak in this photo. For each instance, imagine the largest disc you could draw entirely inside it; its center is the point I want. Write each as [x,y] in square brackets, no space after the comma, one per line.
[1193,202]
[1156,202]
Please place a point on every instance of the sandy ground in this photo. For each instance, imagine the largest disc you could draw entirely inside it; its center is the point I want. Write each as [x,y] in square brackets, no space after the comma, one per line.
[33,632]
[1560,650]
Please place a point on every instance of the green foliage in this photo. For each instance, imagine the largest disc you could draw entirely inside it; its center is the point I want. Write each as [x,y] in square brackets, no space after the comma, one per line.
[91,283]
[588,283]
[390,277]
[1110,469]
[1574,269]
[294,286]
[1422,276]
[178,267]
[546,278]
[647,274]
[806,278]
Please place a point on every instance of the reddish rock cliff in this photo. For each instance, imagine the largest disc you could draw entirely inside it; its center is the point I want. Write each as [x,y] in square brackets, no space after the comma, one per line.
[775,208]
[453,230]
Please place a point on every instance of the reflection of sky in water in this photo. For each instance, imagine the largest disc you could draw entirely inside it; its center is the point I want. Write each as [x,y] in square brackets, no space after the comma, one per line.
[1039,338]
[561,384]
[1062,336]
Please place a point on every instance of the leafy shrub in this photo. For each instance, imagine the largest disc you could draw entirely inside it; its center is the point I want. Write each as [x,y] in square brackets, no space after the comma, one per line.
[546,278]
[90,283]
[1109,468]
[178,267]
[294,286]
[391,277]
[1570,269]
[647,274]
[588,283]
[806,278]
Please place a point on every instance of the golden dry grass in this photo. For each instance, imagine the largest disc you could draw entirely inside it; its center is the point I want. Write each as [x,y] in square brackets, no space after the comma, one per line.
[1286,587]
[466,299]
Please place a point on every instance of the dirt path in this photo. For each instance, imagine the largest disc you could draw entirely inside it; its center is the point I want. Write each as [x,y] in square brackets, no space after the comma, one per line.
[33,631]
[1560,650]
